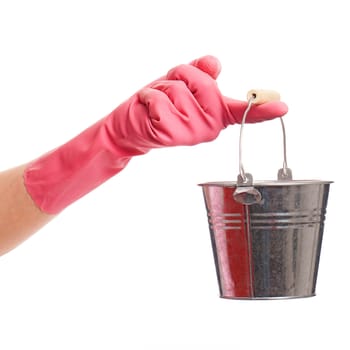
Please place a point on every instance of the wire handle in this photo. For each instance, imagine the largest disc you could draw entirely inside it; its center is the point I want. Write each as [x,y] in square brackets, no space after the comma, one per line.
[258,97]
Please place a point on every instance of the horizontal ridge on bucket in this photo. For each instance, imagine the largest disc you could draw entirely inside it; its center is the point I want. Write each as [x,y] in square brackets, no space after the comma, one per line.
[233,221]
[269,249]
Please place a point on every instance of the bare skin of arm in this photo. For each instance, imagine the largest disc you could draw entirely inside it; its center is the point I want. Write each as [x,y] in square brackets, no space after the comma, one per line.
[19,216]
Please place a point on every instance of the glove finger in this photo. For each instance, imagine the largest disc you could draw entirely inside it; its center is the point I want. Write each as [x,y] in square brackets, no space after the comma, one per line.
[201,85]
[257,113]
[157,103]
[175,117]
[202,124]
[165,123]
[208,64]
[181,97]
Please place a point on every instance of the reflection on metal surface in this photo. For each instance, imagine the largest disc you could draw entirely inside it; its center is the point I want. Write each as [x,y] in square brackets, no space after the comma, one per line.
[270,249]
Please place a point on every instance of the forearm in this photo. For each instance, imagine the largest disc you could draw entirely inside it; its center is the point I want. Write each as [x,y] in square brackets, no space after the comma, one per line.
[19,216]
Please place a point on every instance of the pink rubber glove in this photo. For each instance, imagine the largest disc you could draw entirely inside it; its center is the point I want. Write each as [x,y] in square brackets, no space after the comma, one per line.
[183,108]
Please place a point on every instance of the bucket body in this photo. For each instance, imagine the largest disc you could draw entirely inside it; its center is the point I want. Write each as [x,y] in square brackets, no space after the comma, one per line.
[270,249]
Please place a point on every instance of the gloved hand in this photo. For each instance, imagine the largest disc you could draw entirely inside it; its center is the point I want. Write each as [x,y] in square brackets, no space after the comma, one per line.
[185,107]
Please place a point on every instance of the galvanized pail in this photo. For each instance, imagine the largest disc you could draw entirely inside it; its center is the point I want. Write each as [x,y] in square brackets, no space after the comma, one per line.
[266,235]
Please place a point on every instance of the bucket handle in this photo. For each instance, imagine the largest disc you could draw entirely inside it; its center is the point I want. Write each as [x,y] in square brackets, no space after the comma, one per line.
[245,192]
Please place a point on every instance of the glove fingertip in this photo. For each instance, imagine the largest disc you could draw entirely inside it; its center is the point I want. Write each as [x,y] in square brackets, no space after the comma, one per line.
[208,64]
[257,113]
[271,110]
[145,94]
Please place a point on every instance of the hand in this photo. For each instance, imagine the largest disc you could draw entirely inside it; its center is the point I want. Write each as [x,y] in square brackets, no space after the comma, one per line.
[185,107]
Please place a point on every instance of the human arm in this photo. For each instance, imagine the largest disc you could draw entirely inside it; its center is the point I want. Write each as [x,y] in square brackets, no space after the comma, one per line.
[185,107]
[19,216]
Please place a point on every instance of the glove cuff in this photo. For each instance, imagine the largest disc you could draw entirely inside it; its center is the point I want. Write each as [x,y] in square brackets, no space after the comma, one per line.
[62,176]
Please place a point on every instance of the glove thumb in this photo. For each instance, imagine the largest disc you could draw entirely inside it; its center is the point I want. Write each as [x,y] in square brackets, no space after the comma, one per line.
[257,113]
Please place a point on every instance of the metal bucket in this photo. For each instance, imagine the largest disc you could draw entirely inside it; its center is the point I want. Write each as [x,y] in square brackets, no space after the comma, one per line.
[266,235]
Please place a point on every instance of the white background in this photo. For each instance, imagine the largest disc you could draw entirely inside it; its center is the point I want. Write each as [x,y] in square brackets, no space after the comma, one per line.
[130,266]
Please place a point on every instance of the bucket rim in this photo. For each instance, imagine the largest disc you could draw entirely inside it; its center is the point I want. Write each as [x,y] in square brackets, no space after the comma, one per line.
[262,183]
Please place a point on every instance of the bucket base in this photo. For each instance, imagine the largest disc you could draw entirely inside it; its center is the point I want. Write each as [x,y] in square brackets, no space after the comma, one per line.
[270,298]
